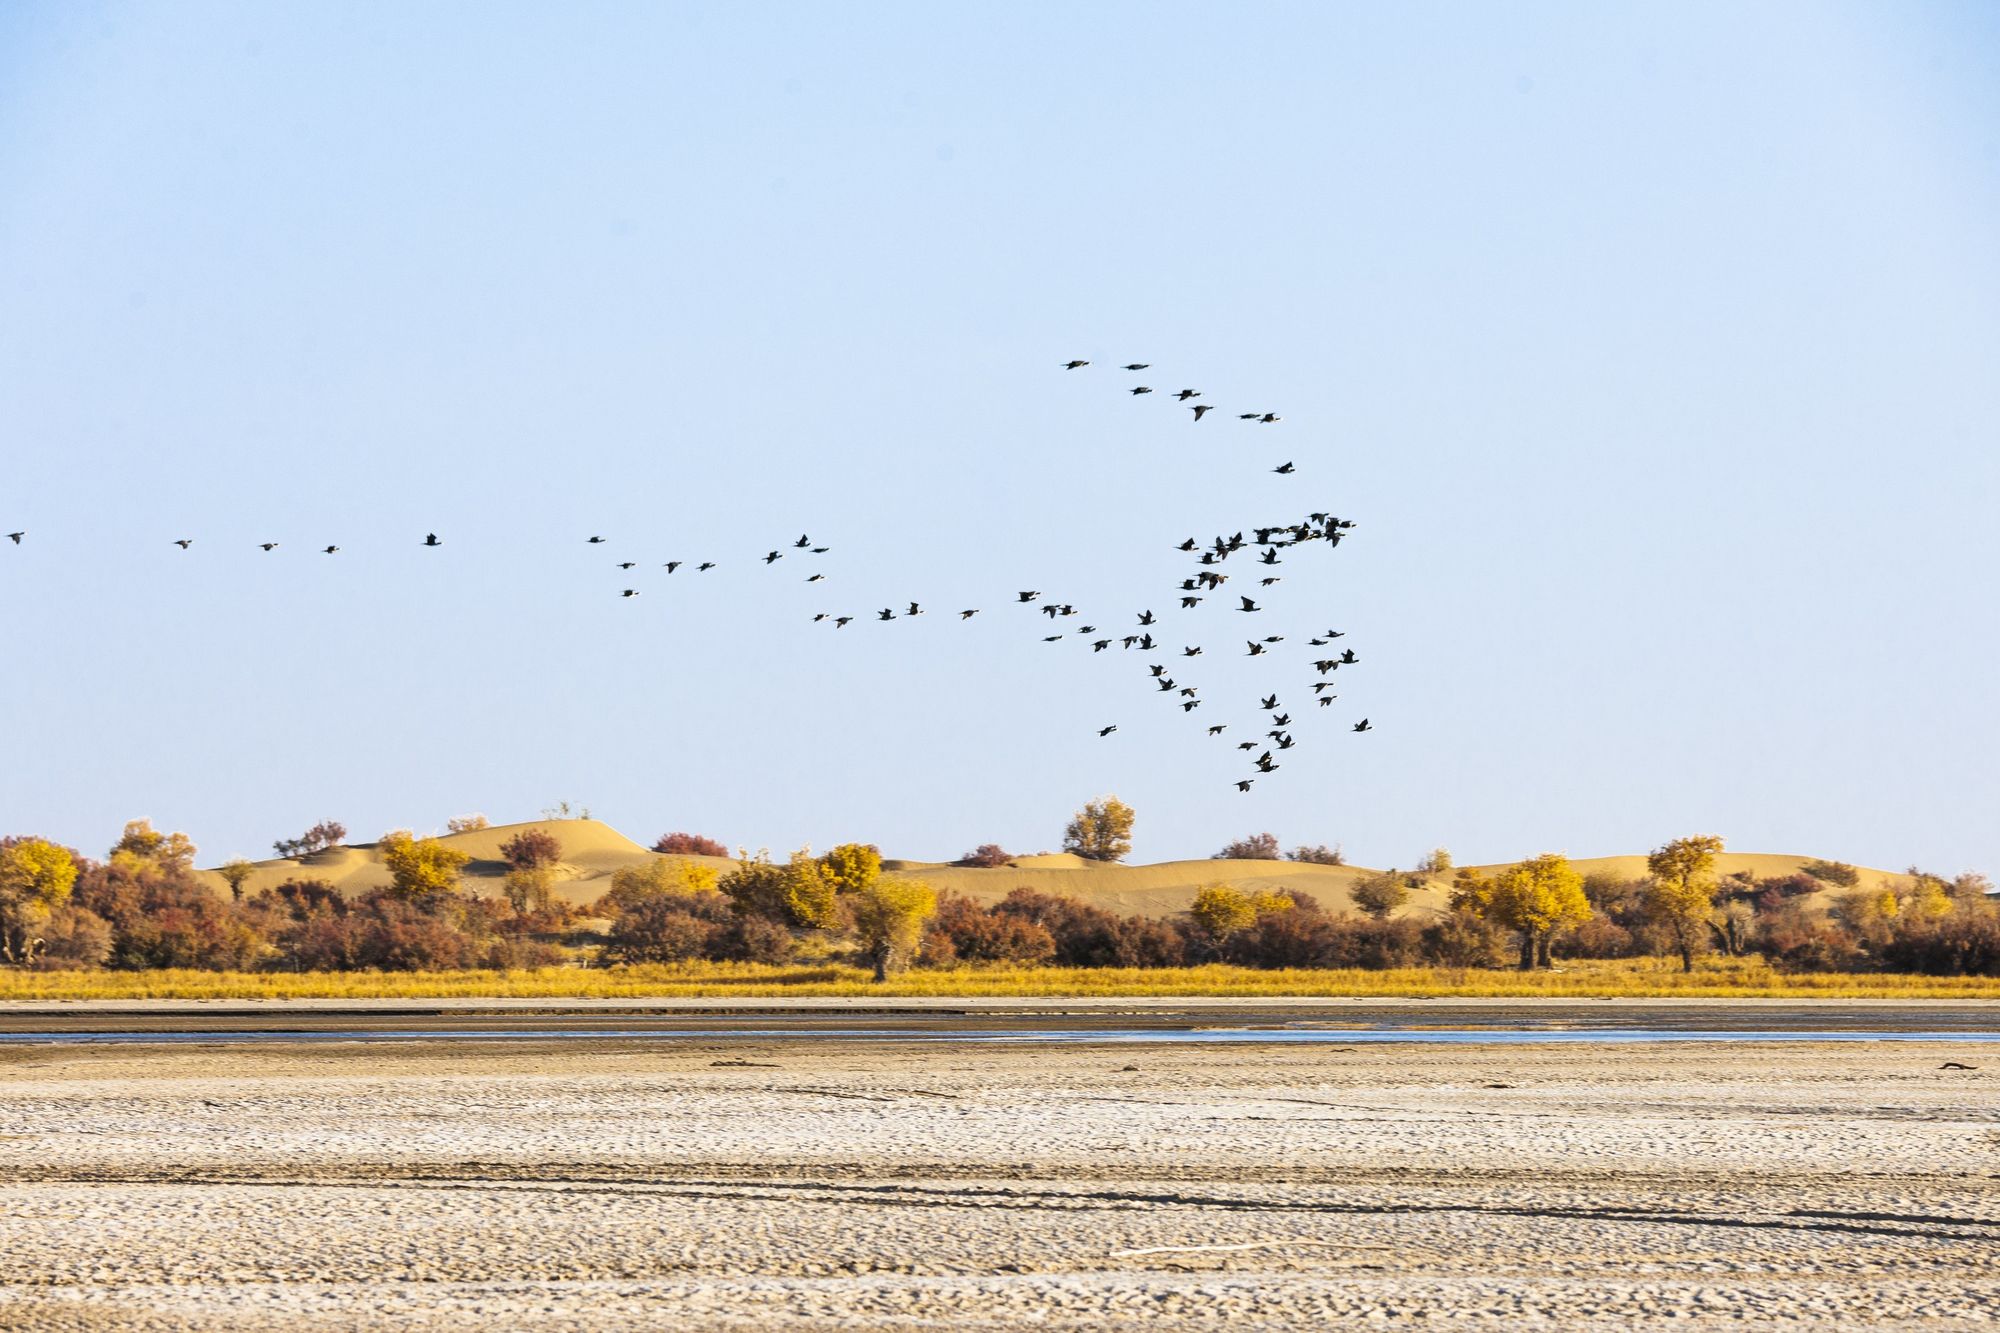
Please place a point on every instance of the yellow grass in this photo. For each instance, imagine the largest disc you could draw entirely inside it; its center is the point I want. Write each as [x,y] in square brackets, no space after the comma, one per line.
[1633,978]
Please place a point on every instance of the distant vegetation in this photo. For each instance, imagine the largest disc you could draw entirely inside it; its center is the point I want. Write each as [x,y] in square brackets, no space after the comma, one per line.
[143,907]
[327,833]
[689,844]
[1101,831]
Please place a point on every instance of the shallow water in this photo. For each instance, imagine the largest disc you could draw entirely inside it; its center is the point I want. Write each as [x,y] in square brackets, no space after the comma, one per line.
[1313,1035]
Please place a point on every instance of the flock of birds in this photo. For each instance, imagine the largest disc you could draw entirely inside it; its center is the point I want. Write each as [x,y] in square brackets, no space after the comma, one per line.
[1263,547]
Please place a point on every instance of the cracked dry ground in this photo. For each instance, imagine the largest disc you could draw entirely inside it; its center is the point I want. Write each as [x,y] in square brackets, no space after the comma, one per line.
[830,1184]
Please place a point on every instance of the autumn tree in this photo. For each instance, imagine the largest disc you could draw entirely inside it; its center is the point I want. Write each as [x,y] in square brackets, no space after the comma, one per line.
[632,885]
[852,867]
[142,843]
[1101,831]
[1318,855]
[233,873]
[1535,898]
[420,867]
[1256,847]
[889,918]
[1221,911]
[327,833]
[36,877]
[467,824]
[987,855]
[1436,862]
[1681,896]
[799,893]
[1838,873]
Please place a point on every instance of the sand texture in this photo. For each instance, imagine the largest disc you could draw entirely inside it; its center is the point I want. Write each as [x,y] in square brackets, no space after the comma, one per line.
[594,851]
[832,1184]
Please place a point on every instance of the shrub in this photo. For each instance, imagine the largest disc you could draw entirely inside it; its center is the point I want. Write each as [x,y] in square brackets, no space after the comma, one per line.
[1462,939]
[1085,936]
[852,867]
[532,849]
[530,888]
[1837,873]
[467,824]
[689,844]
[1220,911]
[420,867]
[987,855]
[750,939]
[1101,831]
[963,931]
[73,937]
[1966,944]
[167,851]
[799,893]
[1321,855]
[657,930]
[1381,894]
[36,877]
[1436,862]
[233,873]
[1256,847]
[1793,939]
[1599,937]
[651,879]
[1138,941]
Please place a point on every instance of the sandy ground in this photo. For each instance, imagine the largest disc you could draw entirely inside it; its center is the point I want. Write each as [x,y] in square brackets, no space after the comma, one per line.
[830,1184]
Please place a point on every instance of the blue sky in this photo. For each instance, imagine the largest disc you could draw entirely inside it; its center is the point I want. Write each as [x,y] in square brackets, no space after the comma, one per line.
[1652,347]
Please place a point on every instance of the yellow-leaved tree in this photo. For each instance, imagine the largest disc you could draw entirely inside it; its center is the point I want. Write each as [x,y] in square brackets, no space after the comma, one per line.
[889,918]
[1222,911]
[657,877]
[142,843]
[35,878]
[1681,895]
[1101,831]
[852,867]
[799,893]
[420,867]
[1535,898]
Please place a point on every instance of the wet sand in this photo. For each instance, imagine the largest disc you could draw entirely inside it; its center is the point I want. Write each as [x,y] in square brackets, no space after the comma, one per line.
[824,1183]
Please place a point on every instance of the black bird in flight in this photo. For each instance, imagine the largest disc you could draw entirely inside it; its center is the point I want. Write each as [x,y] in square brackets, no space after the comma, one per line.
[1244,785]
[704,567]
[840,622]
[1270,703]
[1217,730]
[631,592]
[1187,545]
[184,542]
[914,610]
[1156,668]
[1362,725]
[1106,731]
[1029,596]
[1166,684]
[1145,617]
[1050,638]
[775,555]
[1248,416]
[1190,601]
[1274,638]
[1186,394]
[15,537]
[1145,643]
[431,539]
[1347,657]
[1249,605]
[1052,610]
[967,615]
[331,550]
[1137,365]
[268,546]
[1325,665]
[1256,649]
[594,541]
[1190,705]
[1199,408]
[821,550]
[1285,742]
[803,541]
[1270,417]
[886,614]
[1138,389]
[1099,645]
[1246,745]
[1282,720]
[1285,471]
[821,616]
[628,564]
[1075,365]
[1189,690]
[1319,685]
[1191,652]
[1086,629]
[1326,700]
[1270,557]
[814,578]
[1265,764]
[673,565]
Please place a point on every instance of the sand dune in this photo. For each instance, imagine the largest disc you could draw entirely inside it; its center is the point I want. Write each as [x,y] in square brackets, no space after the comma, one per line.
[593,851]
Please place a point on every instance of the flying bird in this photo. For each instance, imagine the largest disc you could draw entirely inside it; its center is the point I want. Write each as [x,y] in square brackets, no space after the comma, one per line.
[1257,649]
[1145,617]
[331,550]
[840,622]
[268,546]
[15,537]
[431,539]
[1190,705]
[1217,730]
[185,542]
[1137,365]
[1106,731]
[594,541]
[967,615]
[775,555]
[1270,703]
[1029,596]
[803,541]
[1270,417]
[1285,470]
[1244,785]
[1249,605]
[1199,408]
[1075,365]
[1187,545]
[1191,652]
[628,564]
[914,610]
[704,567]
[1138,389]
[631,592]
[814,578]
[886,614]
[1186,394]
[673,565]
[1362,725]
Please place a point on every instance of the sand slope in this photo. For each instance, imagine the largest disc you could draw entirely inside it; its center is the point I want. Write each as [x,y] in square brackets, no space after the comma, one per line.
[594,851]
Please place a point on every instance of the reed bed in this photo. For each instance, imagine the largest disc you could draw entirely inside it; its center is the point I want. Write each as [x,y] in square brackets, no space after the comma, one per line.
[1645,978]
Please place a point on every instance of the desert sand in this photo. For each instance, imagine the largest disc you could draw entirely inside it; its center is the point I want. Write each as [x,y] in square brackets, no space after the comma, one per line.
[834,1184]
[593,851]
